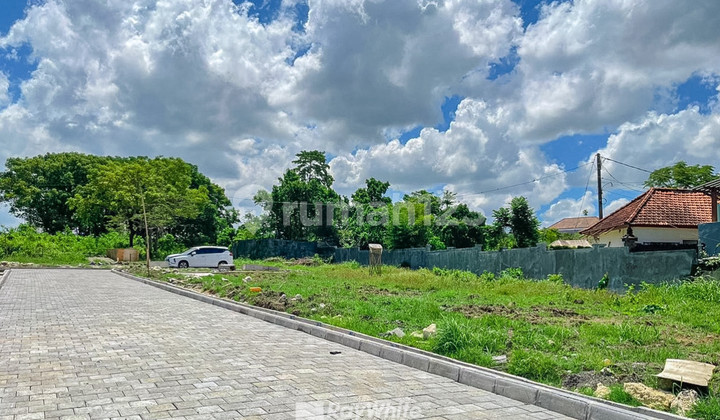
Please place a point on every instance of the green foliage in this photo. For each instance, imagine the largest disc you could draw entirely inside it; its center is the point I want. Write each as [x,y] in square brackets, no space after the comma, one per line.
[535,365]
[521,220]
[680,175]
[460,227]
[123,193]
[512,273]
[410,226]
[301,206]
[26,244]
[38,189]
[96,194]
[168,244]
[604,282]
[368,216]
[707,408]
[555,278]
[618,395]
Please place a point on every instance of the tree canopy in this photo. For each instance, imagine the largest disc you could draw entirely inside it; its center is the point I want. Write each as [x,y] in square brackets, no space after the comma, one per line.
[681,175]
[94,194]
[304,206]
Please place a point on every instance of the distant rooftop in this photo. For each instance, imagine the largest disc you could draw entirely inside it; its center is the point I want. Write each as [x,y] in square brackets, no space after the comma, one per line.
[575,223]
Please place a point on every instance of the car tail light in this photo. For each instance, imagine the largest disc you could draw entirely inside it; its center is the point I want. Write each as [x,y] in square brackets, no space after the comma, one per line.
[231,255]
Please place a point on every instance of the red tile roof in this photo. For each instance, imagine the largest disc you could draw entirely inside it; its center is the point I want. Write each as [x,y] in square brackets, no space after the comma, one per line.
[575,223]
[658,207]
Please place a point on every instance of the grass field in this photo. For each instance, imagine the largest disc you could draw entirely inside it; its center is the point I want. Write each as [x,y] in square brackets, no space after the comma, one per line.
[549,331]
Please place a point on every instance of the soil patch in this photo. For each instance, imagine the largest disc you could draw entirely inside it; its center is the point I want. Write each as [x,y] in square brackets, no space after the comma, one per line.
[272,300]
[533,315]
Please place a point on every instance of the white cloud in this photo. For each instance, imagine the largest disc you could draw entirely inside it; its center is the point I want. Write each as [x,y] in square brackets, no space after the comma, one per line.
[4,87]
[594,63]
[569,207]
[472,156]
[659,140]
[204,81]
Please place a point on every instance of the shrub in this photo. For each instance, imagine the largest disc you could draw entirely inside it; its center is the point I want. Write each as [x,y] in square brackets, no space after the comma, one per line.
[707,408]
[454,336]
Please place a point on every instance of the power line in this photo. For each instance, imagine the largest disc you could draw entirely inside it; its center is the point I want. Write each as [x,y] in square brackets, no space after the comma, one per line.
[629,166]
[620,182]
[525,183]
[587,185]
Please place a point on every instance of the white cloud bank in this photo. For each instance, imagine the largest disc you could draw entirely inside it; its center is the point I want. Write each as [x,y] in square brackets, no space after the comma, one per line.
[204,81]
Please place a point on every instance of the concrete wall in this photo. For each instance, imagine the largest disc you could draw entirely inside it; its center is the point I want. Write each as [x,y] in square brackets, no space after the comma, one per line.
[266,248]
[710,236]
[579,267]
[613,238]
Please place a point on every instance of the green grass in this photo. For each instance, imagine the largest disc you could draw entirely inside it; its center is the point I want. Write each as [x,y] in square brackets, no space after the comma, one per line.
[707,408]
[548,330]
[618,395]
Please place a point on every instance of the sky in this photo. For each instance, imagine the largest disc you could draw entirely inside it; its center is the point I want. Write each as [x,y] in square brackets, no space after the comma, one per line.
[490,99]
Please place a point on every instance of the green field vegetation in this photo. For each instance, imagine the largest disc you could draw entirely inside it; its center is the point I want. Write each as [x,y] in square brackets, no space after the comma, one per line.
[25,245]
[549,331]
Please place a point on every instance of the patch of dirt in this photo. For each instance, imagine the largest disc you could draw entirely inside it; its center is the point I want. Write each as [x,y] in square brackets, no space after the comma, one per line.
[475,311]
[272,300]
[619,373]
[533,315]
[308,262]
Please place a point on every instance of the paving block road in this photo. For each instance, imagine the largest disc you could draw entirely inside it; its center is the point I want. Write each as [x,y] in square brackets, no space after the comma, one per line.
[87,344]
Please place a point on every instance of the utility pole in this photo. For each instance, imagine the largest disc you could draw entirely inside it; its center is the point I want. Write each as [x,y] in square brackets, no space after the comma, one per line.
[599,180]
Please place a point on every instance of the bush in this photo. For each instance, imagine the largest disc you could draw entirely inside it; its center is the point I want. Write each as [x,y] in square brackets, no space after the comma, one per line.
[453,336]
[24,243]
[707,408]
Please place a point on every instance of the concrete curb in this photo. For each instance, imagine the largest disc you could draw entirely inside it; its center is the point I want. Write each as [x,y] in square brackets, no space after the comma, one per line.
[558,400]
[4,277]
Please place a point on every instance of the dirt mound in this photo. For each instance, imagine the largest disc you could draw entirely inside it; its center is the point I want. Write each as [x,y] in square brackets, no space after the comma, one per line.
[277,301]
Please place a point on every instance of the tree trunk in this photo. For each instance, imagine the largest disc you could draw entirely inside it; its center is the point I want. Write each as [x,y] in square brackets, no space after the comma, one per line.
[132,235]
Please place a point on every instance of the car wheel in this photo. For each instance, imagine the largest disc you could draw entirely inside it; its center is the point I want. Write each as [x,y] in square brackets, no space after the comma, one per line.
[221,263]
[183,264]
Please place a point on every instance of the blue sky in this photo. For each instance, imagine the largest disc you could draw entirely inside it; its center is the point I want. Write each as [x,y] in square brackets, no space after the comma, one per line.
[488,99]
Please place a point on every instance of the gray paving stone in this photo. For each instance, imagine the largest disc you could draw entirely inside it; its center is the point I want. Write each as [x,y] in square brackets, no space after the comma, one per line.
[91,344]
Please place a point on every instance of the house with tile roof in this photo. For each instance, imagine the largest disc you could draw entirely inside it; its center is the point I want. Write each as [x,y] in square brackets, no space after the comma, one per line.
[574,224]
[658,216]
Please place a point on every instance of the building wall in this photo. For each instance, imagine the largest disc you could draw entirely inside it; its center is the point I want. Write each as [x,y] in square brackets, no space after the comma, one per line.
[613,238]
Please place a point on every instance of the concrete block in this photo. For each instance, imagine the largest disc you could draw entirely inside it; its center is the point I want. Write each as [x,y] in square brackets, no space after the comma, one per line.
[477,379]
[334,336]
[391,353]
[517,390]
[600,411]
[563,403]
[444,369]
[350,341]
[416,361]
[371,347]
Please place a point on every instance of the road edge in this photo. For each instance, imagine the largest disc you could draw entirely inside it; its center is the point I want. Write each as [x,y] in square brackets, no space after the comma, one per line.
[561,401]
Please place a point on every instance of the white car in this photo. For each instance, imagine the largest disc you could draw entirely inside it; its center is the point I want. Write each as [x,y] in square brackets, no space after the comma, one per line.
[202,256]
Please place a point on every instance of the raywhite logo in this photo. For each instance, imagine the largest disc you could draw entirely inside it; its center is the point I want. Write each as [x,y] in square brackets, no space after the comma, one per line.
[322,410]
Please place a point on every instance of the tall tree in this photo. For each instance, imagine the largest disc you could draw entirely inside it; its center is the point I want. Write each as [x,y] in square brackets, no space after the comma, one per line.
[461,227]
[368,216]
[431,201]
[303,203]
[130,193]
[680,175]
[38,188]
[521,220]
